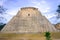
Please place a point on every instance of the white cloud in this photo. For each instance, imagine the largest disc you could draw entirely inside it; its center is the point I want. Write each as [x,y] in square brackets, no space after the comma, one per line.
[2,2]
[42,5]
[46,10]
[50,16]
[12,12]
[43,1]
[35,2]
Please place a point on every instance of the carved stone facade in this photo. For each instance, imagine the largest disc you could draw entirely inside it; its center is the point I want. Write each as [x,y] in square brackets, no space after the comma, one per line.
[28,20]
[57,26]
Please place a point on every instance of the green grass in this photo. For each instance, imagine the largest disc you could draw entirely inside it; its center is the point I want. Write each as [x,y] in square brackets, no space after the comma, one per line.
[54,35]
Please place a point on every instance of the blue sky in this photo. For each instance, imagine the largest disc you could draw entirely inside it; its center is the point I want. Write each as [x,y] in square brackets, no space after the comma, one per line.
[47,7]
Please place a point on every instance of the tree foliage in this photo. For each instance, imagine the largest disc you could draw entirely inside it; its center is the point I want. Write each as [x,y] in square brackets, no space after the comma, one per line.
[1,26]
[2,10]
[2,17]
[2,13]
[58,12]
[47,35]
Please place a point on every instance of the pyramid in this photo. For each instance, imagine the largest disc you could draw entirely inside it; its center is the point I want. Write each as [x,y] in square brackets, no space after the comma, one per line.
[28,20]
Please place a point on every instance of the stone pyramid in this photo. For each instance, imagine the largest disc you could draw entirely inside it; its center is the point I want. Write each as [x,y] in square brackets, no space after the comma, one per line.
[28,20]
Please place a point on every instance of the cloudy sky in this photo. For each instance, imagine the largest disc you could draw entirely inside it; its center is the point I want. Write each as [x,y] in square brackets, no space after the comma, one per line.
[47,7]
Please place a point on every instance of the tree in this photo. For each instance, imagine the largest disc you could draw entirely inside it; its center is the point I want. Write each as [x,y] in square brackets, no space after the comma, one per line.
[58,11]
[2,10]
[47,35]
[1,26]
[2,13]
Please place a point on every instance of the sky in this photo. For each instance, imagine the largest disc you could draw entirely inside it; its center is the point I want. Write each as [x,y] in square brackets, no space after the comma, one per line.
[46,7]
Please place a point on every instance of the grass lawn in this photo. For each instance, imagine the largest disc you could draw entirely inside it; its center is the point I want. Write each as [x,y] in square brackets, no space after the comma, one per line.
[28,36]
